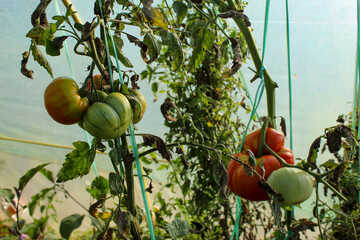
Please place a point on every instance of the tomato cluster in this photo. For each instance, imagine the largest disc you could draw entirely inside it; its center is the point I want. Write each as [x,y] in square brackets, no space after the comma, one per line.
[245,186]
[103,115]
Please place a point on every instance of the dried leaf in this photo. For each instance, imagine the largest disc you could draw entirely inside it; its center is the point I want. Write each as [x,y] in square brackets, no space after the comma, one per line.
[149,188]
[134,78]
[223,175]
[248,170]
[93,208]
[301,225]
[152,140]
[137,42]
[237,59]
[267,187]
[252,158]
[38,17]
[26,72]
[333,140]
[165,107]
[314,149]
[234,14]
[180,151]
[122,222]
[283,125]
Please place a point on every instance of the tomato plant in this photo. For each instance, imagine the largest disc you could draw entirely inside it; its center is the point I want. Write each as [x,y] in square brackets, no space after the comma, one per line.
[63,101]
[294,184]
[108,119]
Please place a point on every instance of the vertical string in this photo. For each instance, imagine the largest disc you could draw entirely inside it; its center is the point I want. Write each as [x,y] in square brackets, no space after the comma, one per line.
[131,129]
[73,76]
[357,74]
[289,214]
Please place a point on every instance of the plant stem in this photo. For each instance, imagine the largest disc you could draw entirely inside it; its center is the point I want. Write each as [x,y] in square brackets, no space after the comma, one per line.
[270,85]
[129,176]
[317,209]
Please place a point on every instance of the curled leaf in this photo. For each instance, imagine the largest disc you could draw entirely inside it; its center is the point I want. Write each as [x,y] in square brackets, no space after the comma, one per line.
[248,170]
[26,72]
[152,140]
[38,17]
[333,140]
[234,14]
[252,158]
[283,125]
[237,59]
[180,151]
[165,107]
[223,175]
[314,149]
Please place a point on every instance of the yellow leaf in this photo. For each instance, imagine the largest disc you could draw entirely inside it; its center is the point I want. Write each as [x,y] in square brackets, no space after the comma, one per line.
[155,17]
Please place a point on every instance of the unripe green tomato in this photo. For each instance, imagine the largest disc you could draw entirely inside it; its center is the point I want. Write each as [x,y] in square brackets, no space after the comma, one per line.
[294,184]
[100,96]
[108,119]
[138,104]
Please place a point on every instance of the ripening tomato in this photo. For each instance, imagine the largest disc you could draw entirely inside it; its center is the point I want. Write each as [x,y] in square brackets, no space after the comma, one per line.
[98,81]
[138,104]
[287,155]
[247,187]
[63,101]
[110,118]
[273,138]
[294,184]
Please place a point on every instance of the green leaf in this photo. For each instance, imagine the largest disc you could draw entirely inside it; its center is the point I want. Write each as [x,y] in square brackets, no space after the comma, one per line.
[7,194]
[178,228]
[36,199]
[202,40]
[59,19]
[78,162]
[40,58]
[48,174]
[115,183]
[99,187]
[36,32]
[29,175]
[175,48]
[118,44]
[154,46]
[180,10]
[69,224]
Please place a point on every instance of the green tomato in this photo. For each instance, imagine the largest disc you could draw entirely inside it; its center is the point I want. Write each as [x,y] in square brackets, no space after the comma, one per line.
[138,104]
[100,96]
[294,184]
[108,119]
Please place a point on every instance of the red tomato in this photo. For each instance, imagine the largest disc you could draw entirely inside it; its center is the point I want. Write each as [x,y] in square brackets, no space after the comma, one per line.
[63,102]
[273,138]
[97,82]
[245,186]
[287,155]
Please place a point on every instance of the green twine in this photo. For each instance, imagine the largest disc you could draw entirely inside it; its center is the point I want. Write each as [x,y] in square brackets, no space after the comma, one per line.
[357,73]
[133,140]
[289,215]
[73,76]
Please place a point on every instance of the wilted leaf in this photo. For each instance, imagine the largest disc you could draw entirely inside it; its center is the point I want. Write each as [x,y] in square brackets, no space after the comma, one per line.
[302,225]
[314,149]
[122,222]
[237,59]
[180,151]
[40,58]
[248,170]
[267,187]
[155,17]
[38,17]
[69,224]
[93,208]
[165,107]
[234,14]
[152,140]
[333,140]
[154,47]
[78,162]
[222,174]
[178,228]
[252,158]
[26,72]
[137,42]
[283,125]
[149,188]
[276,212]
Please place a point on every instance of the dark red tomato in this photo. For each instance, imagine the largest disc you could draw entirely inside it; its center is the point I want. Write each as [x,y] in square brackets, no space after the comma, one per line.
[273,138]
[247,187]
[63,102]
